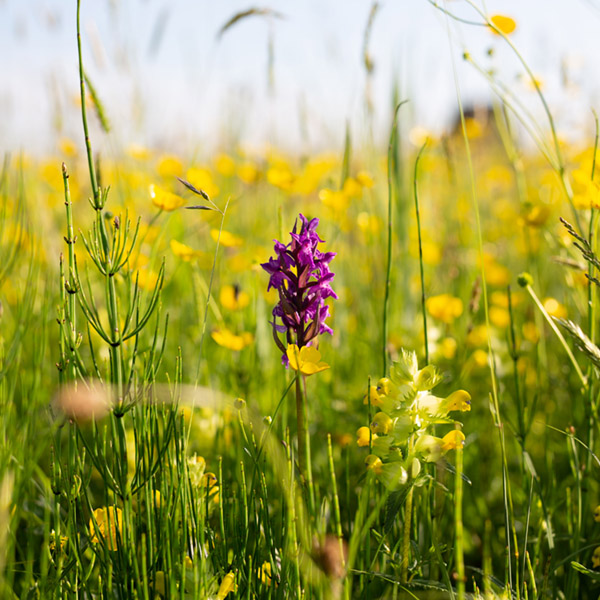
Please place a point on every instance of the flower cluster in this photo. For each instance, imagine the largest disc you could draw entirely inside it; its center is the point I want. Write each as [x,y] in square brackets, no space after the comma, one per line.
[301,274]
[399,434]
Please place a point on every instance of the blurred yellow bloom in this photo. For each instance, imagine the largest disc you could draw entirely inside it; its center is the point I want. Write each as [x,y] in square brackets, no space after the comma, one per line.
[597,514]
[447,348]
[307,359]
[107,522]
[227,586]
[163,199]
[368,223]
[530,332]
[505,24]
[185,253]
[474,128]
[229,240]
[596,558]
[352,188]
[453,440]
[281,177]
[499,317]
[169,166]
[444,307]
[536,215]
[480,358]
[232,298]
[225,165]
[247,172]
[201,179]
[67,147]
[554,308]
[146,279]
[228,339]
[365,179]
[334,199]
[495,273]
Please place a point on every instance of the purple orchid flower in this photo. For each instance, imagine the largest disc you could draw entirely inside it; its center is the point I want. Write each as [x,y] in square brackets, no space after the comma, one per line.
[301,274]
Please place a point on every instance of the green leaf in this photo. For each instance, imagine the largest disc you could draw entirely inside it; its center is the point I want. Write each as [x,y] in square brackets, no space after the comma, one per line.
[595,575]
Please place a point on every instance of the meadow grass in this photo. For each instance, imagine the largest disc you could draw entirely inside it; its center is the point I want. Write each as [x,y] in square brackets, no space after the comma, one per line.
[155,446]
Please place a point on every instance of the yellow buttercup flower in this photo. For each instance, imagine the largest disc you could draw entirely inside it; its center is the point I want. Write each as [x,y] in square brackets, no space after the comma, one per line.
[231,341]
[597,514]
[163,199]
[232,298]
[554,308]
[307,359]
[444,307]
[227,239]
[107,521]
[505,24]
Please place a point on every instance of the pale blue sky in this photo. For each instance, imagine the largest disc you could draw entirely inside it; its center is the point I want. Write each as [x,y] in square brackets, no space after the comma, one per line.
[194,92]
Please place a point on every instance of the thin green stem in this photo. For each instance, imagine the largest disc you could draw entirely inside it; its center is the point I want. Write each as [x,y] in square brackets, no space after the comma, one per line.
[388,275]
[417,212]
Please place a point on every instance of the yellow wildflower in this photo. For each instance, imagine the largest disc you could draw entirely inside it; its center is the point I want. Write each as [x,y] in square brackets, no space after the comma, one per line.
[444,307]
[185,253]
[225,165]
[163,199]
[453,440]
[232,298]
[227,586]
[597,514]
[364,435]
[169,166]
[226,338]
[265,573]
[381,424]
[554,308]
[227,239]
[458,400]
[375,463]
[596,558]
[107,521]
[505,24]
[307,359]
[201,179]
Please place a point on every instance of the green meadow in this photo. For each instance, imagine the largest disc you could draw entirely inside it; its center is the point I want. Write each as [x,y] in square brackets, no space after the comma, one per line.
[370,372]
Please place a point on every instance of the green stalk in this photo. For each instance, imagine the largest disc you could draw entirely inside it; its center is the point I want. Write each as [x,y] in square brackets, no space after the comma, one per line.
[559,335]
[336,500]
[416,194]
[88,144]
[388,275]
[406,536]
[459,554]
